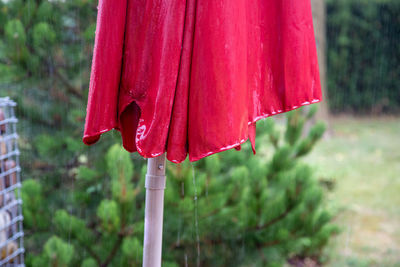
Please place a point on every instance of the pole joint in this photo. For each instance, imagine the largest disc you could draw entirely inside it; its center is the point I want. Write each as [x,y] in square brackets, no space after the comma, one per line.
[155,182]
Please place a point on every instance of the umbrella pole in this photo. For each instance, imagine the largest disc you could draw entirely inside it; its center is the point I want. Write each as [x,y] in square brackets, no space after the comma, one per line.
[153,218]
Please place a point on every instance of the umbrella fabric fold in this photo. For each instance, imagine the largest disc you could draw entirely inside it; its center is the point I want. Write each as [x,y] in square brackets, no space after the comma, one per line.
[194,76]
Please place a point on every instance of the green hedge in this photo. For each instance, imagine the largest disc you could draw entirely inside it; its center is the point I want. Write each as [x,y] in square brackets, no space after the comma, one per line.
[363,39]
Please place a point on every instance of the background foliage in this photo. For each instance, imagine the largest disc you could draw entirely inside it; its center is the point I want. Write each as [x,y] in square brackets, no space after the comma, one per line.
[45,49]
[363,39]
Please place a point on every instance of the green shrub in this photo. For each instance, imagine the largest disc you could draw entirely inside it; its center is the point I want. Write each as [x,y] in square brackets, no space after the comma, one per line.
[363,55]
[230,209]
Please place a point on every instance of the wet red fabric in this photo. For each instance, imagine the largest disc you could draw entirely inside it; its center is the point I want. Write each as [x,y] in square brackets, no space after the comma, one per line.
[194,76]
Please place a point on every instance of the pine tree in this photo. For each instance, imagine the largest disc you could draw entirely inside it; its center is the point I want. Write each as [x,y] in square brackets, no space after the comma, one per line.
[258,210]
[226,210]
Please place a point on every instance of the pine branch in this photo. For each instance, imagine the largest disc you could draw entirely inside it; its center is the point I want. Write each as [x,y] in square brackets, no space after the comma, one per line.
[124,231]
[273,221]
[71,89]
[293,236]
[210,214]
[271,243]
[90,251]
[114,250]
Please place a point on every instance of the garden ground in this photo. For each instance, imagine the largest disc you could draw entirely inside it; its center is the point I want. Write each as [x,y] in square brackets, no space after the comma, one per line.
[360,161]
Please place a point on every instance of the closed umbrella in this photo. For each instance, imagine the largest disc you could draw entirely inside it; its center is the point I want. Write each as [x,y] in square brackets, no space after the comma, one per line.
[192,77]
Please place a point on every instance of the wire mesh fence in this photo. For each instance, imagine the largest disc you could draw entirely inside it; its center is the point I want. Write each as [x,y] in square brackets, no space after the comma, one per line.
[11,231]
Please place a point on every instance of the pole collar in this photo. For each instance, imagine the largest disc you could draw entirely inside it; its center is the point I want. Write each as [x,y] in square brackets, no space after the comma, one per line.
[155,182]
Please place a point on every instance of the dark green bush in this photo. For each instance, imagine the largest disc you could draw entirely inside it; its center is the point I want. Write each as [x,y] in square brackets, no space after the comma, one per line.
[230,209]
[363,39]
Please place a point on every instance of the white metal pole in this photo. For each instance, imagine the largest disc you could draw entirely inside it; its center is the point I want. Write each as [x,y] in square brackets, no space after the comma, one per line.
[153,218]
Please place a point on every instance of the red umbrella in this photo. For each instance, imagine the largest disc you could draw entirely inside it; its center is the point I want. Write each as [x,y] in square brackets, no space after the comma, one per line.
[181,77]
[194,76]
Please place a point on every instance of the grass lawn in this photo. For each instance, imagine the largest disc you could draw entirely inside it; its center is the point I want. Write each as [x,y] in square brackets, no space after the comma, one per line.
[362,159]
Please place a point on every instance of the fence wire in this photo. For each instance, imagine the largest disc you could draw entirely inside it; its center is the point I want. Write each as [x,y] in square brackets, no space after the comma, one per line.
[11,230]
